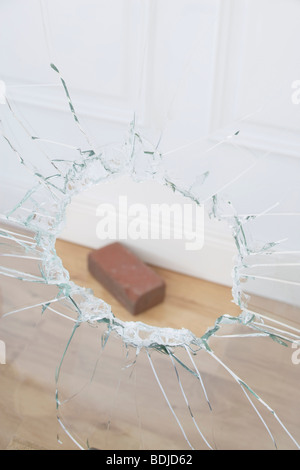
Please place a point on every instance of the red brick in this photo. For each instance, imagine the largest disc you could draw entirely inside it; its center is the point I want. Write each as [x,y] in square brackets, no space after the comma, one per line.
[134,284]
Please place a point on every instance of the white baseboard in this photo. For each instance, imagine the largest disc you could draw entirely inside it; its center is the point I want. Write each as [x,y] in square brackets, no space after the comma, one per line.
[213,262]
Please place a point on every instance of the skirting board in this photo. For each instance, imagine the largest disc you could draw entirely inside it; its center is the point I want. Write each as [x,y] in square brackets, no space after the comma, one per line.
[213,262]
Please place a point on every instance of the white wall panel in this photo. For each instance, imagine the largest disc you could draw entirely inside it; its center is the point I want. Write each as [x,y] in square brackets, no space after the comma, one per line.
[212,60]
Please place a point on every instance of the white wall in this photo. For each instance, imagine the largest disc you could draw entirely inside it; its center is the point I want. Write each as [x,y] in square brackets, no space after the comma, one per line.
[231,58]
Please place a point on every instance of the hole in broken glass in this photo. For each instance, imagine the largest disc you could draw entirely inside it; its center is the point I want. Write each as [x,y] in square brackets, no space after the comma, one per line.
[133,209]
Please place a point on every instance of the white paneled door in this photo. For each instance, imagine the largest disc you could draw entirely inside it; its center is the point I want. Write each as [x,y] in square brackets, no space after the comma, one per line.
[183,68]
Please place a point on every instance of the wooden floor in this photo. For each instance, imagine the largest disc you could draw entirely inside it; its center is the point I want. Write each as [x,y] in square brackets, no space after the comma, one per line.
[190,302]
[28,417]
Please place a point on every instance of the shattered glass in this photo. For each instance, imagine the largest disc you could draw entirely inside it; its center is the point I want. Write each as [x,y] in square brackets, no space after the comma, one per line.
[75,375]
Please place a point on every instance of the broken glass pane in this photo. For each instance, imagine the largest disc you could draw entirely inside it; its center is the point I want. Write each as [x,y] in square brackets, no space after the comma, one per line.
[75,376]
